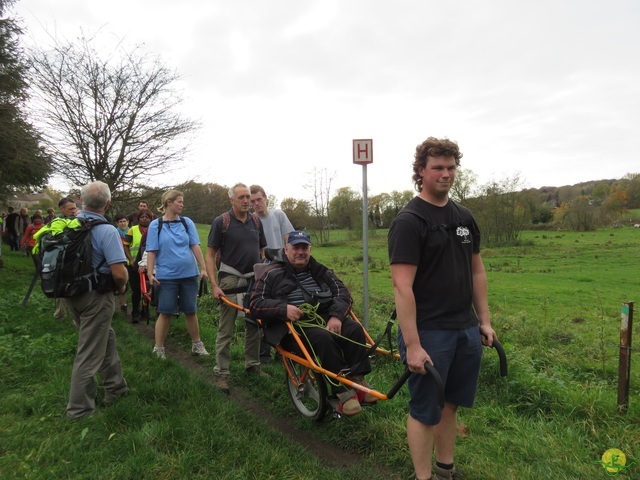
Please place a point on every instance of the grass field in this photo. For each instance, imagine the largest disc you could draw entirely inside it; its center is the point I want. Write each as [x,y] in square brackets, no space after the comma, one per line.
[556,302]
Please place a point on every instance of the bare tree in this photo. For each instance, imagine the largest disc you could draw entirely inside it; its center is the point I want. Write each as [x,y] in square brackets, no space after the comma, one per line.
[113,118]
[320,187]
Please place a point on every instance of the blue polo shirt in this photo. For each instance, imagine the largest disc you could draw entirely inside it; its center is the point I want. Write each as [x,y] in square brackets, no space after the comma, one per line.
[106,243]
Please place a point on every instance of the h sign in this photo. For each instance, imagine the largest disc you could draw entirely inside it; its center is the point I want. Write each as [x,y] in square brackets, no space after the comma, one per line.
[363,151]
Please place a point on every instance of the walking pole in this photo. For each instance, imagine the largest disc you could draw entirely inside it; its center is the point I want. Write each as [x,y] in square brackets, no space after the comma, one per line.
[31,286]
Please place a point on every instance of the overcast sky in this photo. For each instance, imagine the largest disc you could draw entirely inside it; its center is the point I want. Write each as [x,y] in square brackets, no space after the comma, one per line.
[549,90]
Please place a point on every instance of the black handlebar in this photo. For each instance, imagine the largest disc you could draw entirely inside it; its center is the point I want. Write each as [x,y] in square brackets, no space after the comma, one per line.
[503,357]
[431,371]
[436,376]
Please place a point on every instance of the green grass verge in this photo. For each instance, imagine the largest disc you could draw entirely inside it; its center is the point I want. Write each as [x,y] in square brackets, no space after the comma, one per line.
[555,301]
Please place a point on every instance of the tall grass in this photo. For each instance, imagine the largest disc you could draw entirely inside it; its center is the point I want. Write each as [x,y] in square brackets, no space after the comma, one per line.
[555,301]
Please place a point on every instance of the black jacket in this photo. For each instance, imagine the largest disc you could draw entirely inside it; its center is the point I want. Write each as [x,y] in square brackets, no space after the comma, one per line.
[269,298]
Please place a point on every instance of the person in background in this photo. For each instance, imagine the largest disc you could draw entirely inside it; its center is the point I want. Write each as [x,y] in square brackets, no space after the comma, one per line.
[122,225]
[134,241]
[68,208]
[275,225]
[237,236]
[51,214]
[28,242]
[173,256]
[24,220]
[11,229]
[93,310]
[133,216]
[440,289]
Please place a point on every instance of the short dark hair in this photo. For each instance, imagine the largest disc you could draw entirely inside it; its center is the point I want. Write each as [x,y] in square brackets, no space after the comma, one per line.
[120,216]
[65,200]
[433,147]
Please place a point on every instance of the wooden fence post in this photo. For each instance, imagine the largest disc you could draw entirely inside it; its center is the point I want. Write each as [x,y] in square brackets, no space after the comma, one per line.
[624,365]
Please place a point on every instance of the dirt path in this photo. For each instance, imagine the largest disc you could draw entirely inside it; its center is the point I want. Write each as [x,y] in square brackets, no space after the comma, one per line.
[327,453]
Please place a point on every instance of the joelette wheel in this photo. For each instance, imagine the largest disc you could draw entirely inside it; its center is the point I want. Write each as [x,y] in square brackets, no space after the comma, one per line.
[308,391]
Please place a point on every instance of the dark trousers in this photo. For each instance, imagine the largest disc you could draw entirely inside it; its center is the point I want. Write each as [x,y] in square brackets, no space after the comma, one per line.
[136,293]
[333,352]
[13,239]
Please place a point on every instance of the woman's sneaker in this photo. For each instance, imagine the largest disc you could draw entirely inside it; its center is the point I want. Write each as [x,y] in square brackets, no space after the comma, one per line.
[159,351]
[197,348]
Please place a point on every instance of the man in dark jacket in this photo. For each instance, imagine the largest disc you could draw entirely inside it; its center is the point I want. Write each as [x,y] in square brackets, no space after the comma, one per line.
[294,280]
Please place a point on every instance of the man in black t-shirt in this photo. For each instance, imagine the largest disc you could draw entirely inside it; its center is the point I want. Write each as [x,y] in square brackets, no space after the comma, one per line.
[440,288]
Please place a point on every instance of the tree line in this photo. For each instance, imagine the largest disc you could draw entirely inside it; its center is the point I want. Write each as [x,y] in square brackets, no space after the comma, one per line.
[113,116]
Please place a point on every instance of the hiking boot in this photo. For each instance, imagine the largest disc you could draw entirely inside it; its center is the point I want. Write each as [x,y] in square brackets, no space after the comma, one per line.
[255,370]
[222,382]
[197,348]
[364,397]
[159,351]
[348,403]
[111,399]
[446,474]
[135,318]
[123,309]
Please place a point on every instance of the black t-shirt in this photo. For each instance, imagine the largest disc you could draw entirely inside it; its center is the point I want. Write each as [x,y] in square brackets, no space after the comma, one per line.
[240,244]
[440,241]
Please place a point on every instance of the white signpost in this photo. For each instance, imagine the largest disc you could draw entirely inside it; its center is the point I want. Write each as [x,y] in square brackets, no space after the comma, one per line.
[363,155]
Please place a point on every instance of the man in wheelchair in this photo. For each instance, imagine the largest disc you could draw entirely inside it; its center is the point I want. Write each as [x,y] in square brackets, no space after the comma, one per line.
[296,288]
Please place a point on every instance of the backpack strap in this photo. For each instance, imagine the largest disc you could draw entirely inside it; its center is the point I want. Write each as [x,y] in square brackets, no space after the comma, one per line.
[161,222]
[430,226]
[226,221]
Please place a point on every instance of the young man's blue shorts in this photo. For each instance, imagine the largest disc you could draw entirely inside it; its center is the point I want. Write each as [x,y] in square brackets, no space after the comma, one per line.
[456,355]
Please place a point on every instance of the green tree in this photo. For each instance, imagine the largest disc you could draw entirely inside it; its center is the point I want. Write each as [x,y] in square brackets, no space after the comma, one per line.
[600,193]
[581,214]
[464,185]
[397,200]
[111,116]
[346,209]
[24,164]
[298,212]
[500,210]
[204,201]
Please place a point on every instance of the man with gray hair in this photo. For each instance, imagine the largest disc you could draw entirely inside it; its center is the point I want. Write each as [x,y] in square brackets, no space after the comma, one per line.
[237,238]
[92,311]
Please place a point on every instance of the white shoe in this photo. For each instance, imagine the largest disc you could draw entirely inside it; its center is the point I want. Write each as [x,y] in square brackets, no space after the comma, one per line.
[159,351]
[197,348]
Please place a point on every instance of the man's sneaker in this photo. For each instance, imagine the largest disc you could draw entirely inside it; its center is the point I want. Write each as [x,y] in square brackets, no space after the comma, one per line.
[159,351]
[348,403]
[222,382]
[255,370]
[364,397]
[197,348]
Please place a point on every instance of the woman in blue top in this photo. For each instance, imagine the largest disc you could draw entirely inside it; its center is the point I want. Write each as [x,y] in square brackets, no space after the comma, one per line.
[173,256]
